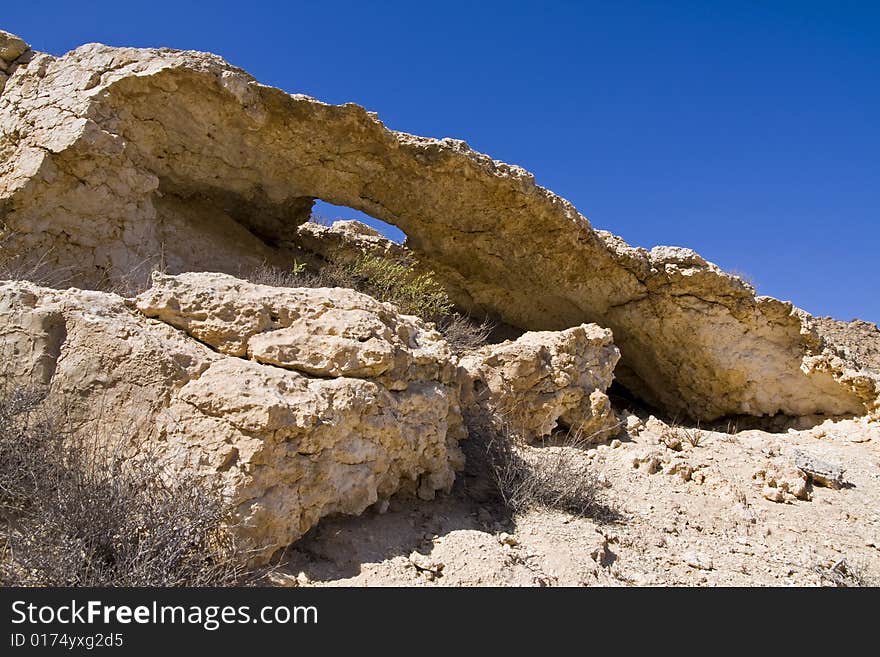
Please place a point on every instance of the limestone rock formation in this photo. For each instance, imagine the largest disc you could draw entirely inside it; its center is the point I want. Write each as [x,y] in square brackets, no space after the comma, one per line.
[304,403]
[344,241]
[114,158]
[544,379]
[327,332]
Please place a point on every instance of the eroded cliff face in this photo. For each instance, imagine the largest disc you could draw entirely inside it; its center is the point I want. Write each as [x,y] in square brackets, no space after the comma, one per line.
[113,160]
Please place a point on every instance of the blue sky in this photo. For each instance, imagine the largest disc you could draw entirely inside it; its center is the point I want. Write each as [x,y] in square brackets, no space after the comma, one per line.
[748,131]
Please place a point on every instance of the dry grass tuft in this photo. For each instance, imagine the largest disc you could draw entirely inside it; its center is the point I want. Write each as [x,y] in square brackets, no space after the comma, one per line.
[676,435]
[523,478]
[843,574]
[463,333]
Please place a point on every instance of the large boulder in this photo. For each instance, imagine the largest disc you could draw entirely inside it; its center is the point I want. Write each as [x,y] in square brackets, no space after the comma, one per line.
[112,159]
[543,381]
[302,403]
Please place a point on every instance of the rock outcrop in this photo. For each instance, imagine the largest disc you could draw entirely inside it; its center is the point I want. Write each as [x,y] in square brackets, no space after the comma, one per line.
[345,241]
[303,403]
[11,50]
[545,380]
[857,341]
[114,158]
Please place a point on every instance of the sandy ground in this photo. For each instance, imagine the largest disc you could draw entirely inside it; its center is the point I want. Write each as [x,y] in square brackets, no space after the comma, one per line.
[689,514]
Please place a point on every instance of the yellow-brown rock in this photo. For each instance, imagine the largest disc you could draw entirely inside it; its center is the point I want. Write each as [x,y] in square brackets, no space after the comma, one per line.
[291,441]
[116,159]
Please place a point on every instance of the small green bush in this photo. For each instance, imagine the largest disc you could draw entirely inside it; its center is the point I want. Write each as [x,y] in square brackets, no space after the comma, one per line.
[398,282]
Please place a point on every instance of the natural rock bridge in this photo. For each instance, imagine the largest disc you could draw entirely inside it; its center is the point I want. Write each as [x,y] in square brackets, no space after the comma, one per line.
[113,157]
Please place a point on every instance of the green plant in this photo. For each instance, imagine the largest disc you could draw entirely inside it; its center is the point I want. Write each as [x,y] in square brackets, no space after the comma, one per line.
[399,282]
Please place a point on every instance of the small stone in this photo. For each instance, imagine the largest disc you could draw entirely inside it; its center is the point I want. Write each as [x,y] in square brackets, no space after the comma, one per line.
[672,440]
[684,470]
[655,425]
[698,561]
[425,564]
[650,462]
[782,482]
[634,425]
[773,494]
[818,471]
[615,443]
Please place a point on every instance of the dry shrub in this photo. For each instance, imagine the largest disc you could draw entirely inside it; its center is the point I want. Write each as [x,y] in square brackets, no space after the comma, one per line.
[693,436]
[843,574]
[463,333]
[137,279]
[322,220]
[522,478]
[15,266]
[744,277]
[76,515]
[675,436]
[296,276]
[39,269]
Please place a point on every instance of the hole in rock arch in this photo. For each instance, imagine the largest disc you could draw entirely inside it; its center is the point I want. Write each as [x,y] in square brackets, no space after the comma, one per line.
[326,213]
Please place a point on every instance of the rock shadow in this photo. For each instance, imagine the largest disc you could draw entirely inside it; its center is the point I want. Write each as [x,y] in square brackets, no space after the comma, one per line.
[340,546]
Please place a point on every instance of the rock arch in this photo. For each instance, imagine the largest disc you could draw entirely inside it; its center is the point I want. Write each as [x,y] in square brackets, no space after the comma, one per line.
[111,156]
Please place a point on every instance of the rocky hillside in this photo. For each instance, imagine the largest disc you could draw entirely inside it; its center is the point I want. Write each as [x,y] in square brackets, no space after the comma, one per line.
[856,340]
[143,190]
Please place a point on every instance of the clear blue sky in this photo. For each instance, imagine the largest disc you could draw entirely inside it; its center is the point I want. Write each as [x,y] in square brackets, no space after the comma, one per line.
[749,131]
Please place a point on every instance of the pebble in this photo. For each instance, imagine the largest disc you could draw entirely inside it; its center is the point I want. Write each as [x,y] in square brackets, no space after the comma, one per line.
[699,561]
